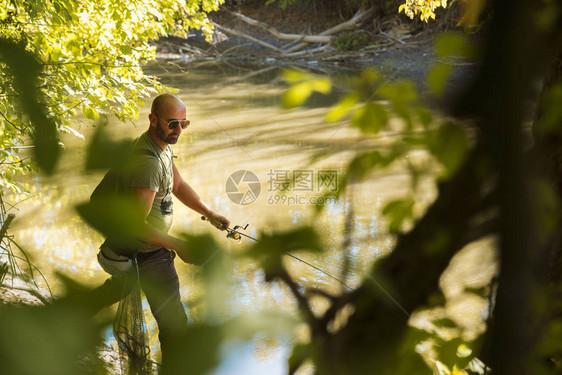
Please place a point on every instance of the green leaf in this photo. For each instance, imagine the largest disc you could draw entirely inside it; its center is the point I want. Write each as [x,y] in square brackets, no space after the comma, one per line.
[399,92]
[449,144]
[25,68]
[551,116]
[271,248]
[437,78]
[104,153]
[197,348]
[453,44]
[294,76]
[296,95]
[90,113]
[127,50]
[119,217]
[342,108]
[370,118]
[398,212]
[300,353]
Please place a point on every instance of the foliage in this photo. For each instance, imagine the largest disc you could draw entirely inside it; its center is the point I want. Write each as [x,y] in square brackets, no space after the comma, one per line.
[87,60]
[425,9]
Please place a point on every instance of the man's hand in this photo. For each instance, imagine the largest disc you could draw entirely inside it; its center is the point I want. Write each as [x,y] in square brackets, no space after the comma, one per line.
[218,221]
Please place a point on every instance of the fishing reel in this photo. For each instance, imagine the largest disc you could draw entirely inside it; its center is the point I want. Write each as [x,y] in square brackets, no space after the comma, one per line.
[233,233]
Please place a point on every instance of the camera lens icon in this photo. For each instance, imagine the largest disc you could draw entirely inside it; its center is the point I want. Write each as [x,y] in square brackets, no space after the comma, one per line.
[243,187]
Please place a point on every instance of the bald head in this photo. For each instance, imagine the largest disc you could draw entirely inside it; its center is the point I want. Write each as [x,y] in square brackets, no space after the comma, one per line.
[165,109]
[164,102]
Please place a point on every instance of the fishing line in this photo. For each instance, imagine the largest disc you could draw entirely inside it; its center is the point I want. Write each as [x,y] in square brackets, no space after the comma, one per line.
[237,235]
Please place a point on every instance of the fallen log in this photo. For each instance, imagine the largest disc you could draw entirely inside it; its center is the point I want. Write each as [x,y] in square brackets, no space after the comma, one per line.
[245,36]
[351,24]
[280,35]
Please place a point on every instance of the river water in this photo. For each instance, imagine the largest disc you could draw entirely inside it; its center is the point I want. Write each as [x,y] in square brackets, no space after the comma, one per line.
[237,123]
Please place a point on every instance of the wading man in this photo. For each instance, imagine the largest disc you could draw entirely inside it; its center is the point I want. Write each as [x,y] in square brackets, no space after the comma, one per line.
[152,178]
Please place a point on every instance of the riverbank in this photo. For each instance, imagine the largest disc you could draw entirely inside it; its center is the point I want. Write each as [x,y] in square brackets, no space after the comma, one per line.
[390,42]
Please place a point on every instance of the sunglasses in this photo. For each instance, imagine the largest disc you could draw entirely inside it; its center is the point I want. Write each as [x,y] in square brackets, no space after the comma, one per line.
[172,124]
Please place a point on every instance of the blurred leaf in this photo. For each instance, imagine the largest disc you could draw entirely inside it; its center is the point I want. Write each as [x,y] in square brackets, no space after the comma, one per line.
[105,153]
[271,248]
[49,340]
[551,119]
[300,353]
[547,209]
[296,95]
[367,83]
[370,118]
[398,212]
[118,217]
[425,116]
[323,86]
[302,86]
[448,350]
[437,243]
[196,351]
[90,113]
[273,323]
[405,360]
[449,145]
[363,163]
[25,69]
[342,108]
[399,92]
[204,250]
[402,95]
[437,78]
[453,44]
[471,12]
[293,76]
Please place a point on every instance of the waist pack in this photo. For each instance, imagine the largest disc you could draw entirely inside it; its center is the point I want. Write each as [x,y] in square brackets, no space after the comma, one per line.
[113,263]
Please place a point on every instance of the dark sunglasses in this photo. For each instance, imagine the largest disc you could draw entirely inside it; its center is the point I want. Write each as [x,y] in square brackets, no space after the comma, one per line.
[172,124]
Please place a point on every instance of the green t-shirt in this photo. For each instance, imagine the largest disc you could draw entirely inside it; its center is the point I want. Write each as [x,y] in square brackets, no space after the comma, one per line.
[150,167]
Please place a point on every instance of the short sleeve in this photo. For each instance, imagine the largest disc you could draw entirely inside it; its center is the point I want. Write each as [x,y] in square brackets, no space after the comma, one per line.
[145,173]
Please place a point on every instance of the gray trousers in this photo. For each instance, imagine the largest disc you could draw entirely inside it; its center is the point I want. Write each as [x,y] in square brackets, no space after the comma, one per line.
[160,284]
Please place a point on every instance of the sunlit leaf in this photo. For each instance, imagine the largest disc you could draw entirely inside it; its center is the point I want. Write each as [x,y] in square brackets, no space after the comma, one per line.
[342,108]
[296,95]
[370,118]
[294,76]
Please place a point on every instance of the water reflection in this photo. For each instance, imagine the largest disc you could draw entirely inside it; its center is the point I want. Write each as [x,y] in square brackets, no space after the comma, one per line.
[237,124]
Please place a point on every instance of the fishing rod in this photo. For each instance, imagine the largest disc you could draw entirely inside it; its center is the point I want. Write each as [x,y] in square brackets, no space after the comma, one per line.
[235,234]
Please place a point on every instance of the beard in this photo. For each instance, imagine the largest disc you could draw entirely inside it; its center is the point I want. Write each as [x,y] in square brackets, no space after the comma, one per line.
[169,139]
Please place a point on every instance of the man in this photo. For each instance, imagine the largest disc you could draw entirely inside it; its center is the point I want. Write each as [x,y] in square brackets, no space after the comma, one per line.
[152,178]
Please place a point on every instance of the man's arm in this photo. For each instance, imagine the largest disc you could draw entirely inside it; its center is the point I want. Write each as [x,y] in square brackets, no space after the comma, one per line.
[189,197]
[151,234]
